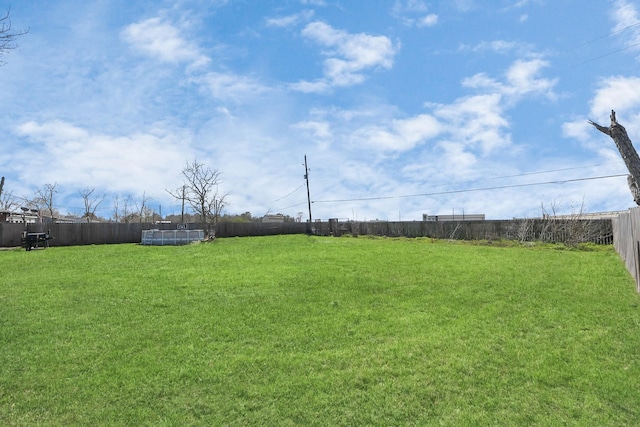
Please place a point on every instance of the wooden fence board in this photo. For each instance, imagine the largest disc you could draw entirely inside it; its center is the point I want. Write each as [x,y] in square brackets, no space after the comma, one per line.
[626,238]
[598,231]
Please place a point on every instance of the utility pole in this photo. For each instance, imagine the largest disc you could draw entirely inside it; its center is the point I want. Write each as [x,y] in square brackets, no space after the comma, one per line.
[182,217]
[306,176]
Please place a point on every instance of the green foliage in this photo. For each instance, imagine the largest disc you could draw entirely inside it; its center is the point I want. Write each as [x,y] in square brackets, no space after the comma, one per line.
[297,330]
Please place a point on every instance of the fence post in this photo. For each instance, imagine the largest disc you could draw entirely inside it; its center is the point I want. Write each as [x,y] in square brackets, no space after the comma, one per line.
[637,259]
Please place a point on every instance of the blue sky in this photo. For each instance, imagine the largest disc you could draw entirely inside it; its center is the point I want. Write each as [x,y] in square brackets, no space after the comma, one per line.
[401,107]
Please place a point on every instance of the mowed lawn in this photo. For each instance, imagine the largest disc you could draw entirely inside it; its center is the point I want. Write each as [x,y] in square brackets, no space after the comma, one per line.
[300,330]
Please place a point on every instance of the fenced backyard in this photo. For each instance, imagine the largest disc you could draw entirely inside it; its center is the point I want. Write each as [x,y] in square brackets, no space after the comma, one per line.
[316,331]
[524,230]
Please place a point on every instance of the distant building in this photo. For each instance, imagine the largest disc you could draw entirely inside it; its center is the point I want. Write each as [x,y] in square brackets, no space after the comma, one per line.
[454,217]
[19,217]
[71,220]
[586,215]
[278,218]
[30,217]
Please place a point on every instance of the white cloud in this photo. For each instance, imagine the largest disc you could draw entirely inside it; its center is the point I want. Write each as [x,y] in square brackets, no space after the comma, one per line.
[477,121]
[316,129]
[51,132]
[459,161]
[314,2]
[625,16]
[498,46]
[349,55]
[74,156]
[464,5]
[616,93]
[400,7]
[519,4]
[522,78]
[578,129]
[398,135]
[290,20]
[317,86]
[428,21]
[412,13]
[231,87]
[470,124]
[163,41]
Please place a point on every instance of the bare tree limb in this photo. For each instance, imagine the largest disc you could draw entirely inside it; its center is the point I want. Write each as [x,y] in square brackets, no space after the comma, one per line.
[91,203]
[201,191]
[629,154]
[7,200]
[45,196]
[143,207]
[8,35]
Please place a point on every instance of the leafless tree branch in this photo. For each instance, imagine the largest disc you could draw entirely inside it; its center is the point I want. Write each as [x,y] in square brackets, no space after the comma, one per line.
[91,203]
[201,190]
[8,35]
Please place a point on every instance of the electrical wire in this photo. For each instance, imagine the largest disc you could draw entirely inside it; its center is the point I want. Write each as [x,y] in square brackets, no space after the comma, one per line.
[553,170]
[292,206]
[607,54]
[284,197]
[467,190]
[604,36]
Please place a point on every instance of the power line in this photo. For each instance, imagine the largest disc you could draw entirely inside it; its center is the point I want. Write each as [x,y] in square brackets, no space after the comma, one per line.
[533,173]
[607,54]
[552,170]
[292,206]
[604,36]
[284,197]
[468,190]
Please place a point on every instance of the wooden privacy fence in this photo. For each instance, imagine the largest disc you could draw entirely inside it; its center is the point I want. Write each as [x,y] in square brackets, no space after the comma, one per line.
[109,233]
[75,234]
[570,231]
[626,240]
[554,230]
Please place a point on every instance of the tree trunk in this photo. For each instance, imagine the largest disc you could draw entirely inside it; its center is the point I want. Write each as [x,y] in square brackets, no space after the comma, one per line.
[629,154]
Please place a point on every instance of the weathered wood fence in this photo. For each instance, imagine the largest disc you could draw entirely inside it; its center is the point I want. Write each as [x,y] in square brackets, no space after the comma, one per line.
[110,233]
[626,240]
[597,231]
[570,231]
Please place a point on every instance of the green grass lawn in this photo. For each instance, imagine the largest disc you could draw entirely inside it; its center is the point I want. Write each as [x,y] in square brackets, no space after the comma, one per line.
[298,330]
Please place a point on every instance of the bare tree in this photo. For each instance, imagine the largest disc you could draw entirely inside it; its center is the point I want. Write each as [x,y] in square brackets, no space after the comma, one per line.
[8,35]
[570,229]
[201,190]
[142,207]
[44,198]
[618,133]
[91,203]
[8,201]
[42,201]
[116,208]
[126,210]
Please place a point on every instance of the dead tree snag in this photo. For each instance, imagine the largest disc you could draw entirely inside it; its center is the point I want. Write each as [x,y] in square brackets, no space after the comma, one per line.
[629,154]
